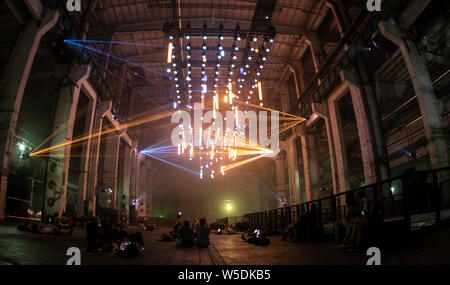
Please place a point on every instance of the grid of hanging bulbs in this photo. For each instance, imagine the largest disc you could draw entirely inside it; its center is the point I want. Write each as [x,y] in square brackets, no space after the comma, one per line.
[228,74]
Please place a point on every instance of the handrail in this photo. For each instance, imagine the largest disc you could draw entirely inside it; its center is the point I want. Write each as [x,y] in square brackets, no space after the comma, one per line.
[399,177]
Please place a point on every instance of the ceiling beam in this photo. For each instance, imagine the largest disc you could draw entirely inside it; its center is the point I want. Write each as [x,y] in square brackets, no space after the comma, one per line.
[158,25]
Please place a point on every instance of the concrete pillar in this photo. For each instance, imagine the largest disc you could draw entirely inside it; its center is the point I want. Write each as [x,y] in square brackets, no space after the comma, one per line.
[300,75]
[285,99]
[110,171]
[101,110]
[281,185]
[341,15]
[321,110]
[351,84]
[310,158]
[295,74]
[126,180]
[364,126]
[381,159]
[12,89]
[294,179]
[86,150]
[144,181]
[317,52]
[63,127]
[134,173]
[338,138]
[300,131]
[430,106]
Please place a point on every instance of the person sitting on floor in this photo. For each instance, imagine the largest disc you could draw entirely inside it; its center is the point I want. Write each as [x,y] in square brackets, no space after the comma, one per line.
[292,231]
[186,235]
[365,225]
[202,234]
[343,228]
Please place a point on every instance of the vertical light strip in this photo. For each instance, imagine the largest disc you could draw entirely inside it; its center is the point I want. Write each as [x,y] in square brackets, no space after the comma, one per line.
[260,91]
[169,53]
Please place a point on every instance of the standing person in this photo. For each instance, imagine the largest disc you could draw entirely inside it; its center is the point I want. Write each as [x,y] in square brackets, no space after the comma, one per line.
[91,233]
[82,221]
[123,215]
[202,234]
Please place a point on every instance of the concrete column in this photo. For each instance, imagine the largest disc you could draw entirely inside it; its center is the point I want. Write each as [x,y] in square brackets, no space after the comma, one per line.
[350,84]
[314,166]
[285,99]
[295,74]
[300,131]
[341,15]
[12,89]
[110,171]
[282,186]
[338,138]
[134,173]
[63,127]
[381,159]
[321,110]
[364,126]
[101,110]
[317,52]
[86,150]
[430,106]
[128,153]
[300,75]
[310,161]
[294,179]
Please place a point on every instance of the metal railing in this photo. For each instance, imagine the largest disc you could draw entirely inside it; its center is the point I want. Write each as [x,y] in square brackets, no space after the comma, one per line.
[229,220]
[416,200]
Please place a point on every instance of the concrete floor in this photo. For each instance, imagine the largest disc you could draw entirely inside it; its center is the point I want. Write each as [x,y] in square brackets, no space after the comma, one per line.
[18,247]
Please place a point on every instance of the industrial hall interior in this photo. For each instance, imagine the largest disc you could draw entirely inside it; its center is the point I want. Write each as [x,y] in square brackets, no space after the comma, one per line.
[253,115]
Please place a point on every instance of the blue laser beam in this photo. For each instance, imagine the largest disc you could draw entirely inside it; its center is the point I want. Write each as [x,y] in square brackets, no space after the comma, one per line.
[115,57]
[126,83]
[131,71]
[173,164]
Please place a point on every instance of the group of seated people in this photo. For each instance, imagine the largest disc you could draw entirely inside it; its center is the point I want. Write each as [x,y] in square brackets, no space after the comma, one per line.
[187,235]
[56,226]
[255,236]
[361,222]
[146,226]
[105,235]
